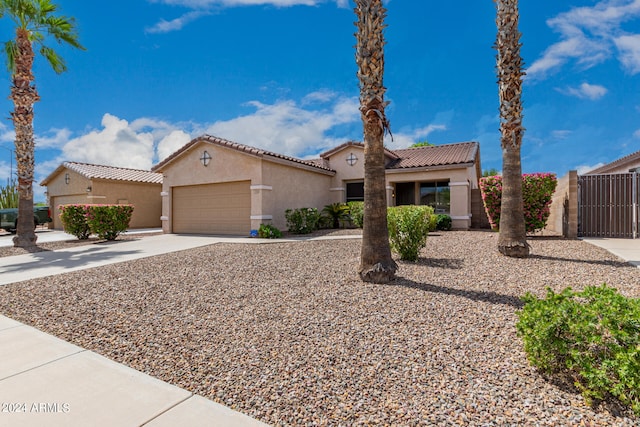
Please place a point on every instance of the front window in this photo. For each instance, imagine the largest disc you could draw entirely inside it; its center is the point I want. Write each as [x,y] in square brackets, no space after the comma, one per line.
[355,191]
[437,195]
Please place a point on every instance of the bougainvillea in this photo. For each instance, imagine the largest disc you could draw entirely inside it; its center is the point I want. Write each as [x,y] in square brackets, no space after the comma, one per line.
[537,190]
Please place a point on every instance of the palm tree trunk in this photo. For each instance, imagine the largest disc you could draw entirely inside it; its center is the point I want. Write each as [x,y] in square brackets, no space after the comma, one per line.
[513,235]
[24,95]
[376,263]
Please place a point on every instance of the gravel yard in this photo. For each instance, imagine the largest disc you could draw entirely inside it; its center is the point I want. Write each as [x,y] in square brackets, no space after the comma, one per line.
[286,333]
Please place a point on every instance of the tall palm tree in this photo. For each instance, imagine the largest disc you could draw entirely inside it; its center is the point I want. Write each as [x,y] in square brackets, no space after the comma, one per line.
[34,20]
[513,235]
[376,263]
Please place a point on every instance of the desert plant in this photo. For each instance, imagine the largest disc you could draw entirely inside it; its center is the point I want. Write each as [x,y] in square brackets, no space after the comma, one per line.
[356,213]
[9,195]
[336,212]
[74,220]
[591,336]
[302,220]
[408,229]
[268,231]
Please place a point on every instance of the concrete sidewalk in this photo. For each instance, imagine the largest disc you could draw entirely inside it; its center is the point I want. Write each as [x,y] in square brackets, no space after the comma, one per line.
[627,249]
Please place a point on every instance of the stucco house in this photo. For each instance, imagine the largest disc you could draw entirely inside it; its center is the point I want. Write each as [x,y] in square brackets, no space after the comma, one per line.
[624,164]
[82,183]
[216,186]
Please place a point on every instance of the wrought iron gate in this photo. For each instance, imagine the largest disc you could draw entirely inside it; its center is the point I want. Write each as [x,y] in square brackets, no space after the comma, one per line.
[608,205]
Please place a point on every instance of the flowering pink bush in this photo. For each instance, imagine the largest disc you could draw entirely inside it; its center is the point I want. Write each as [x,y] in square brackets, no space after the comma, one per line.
[537,190]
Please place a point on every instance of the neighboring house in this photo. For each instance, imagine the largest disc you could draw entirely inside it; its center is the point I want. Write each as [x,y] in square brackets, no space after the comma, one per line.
[215,186]
[81,183]
[624,164]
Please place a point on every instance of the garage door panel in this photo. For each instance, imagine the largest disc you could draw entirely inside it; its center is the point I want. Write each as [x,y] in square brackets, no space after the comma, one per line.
[212,208]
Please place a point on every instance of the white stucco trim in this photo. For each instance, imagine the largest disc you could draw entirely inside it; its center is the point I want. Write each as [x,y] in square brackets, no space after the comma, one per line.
[164,218]
[96,197]
[461,217]
[164,194]
[337,189]
[261,187]
[389,188]
[261,216]
[459,184]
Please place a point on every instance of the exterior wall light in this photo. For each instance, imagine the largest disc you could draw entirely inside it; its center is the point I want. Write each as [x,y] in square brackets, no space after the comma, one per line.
[89,189]
[205,159]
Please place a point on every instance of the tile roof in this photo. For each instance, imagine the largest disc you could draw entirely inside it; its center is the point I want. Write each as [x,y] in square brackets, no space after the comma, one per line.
[340,147]
[242,148]
[108,172]
[438,155]
[631,159]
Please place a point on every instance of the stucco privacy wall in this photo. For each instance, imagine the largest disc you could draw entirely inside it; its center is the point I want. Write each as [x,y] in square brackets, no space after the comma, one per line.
[563,216]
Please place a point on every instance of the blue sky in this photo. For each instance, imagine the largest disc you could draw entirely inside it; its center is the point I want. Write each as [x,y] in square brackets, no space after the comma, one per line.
[280,75]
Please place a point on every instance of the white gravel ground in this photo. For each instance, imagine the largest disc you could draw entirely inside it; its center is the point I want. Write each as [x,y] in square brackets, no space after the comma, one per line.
[286,333]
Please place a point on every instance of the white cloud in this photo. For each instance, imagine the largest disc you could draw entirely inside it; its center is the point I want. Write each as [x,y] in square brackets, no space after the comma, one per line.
[172,143]
[406,139]
[586,91]
[629,48]
[636,134]
[582,169]
[117,144]
[55,138]
[589,35]
[561,134]
[201,8]
[287,128]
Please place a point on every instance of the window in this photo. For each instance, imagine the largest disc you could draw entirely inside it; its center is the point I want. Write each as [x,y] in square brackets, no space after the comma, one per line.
[355,191]
[437,195]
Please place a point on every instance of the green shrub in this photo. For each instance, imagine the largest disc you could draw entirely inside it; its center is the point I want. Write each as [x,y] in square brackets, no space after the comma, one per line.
[356,213]
[74,220]
[433,223]
[303,220]
[268,231]
[408,229]
[336,212]
[592,336]
[443,222]
[108,221]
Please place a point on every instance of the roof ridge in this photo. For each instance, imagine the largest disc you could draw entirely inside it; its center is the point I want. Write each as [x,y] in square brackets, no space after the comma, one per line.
[107,166]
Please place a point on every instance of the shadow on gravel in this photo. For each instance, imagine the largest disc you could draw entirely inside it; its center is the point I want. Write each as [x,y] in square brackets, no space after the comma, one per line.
[481,296]
[448,263]
[610,263]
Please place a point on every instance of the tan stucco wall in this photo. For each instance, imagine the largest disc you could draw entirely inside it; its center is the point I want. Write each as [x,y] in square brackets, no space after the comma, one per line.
[344,172]
[144,196]
[292,188]
[58,192]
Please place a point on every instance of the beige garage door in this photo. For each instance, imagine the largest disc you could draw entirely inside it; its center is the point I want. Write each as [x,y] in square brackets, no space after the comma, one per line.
[212,208]
[64,200]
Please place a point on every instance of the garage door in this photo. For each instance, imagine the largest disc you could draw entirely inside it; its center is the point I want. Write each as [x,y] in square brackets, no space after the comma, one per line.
[65,200]
[212,208]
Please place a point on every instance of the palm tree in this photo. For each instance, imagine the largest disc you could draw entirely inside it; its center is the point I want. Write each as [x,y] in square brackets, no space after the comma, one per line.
[376,263]
[34,20]
[513,235]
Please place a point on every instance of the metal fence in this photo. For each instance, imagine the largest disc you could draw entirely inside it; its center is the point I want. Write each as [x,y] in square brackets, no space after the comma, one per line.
[608,205]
